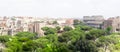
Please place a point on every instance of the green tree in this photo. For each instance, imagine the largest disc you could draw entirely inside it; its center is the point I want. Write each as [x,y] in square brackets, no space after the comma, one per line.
[85,46]
[14,46]
[23,39]
[45,28]
[76,22]
[61,47]
[52,38]
[86,28]
[108,42]
[30,46]
[70,36]
[67,28]
[49,30]
[55,22]
[4,39]
[108,30]
[94,34]
[58,28]
[26,35]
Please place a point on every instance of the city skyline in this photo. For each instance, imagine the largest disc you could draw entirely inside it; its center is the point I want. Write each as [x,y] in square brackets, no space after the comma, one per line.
[59,8]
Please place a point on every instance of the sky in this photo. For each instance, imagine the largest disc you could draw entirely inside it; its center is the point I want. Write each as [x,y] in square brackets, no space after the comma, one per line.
[59,8]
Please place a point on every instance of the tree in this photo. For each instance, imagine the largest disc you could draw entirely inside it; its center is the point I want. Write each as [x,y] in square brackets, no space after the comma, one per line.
[58,28]
[49,30]
[85,28]
[14,46]
[45,28]
[94,34]
[61,47]
[108,42]
[70,36]
[108,30]
[26,35]
[76,22]
[23,39]
[67,28]
[4,39]
[64,38]
[52,38]
[30,46]
[85,46]
[55,22]
[80,39]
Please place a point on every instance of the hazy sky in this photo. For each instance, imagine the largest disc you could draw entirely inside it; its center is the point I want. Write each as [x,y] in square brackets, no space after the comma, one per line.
[59,8]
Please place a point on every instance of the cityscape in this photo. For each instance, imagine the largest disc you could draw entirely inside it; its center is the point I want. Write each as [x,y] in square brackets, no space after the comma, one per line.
[13,25]
[59,26]
[34,28]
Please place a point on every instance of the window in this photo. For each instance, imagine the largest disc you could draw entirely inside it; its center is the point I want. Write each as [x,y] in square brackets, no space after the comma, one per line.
[117,29]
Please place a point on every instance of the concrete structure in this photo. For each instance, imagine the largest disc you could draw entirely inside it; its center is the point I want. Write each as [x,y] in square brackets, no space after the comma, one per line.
[35,27]
[69,21]
[93,21]
[114,22]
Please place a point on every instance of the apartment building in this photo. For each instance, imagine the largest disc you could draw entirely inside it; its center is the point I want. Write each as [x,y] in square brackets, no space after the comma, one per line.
[114,22]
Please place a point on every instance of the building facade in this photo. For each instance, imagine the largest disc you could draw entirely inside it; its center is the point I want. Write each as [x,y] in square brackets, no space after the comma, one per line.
[114,22]
[93,21]
[35,27]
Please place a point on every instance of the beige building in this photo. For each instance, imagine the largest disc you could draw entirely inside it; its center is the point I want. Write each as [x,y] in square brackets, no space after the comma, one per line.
[93,21]
[69,21]
[35,27]
[114,22]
